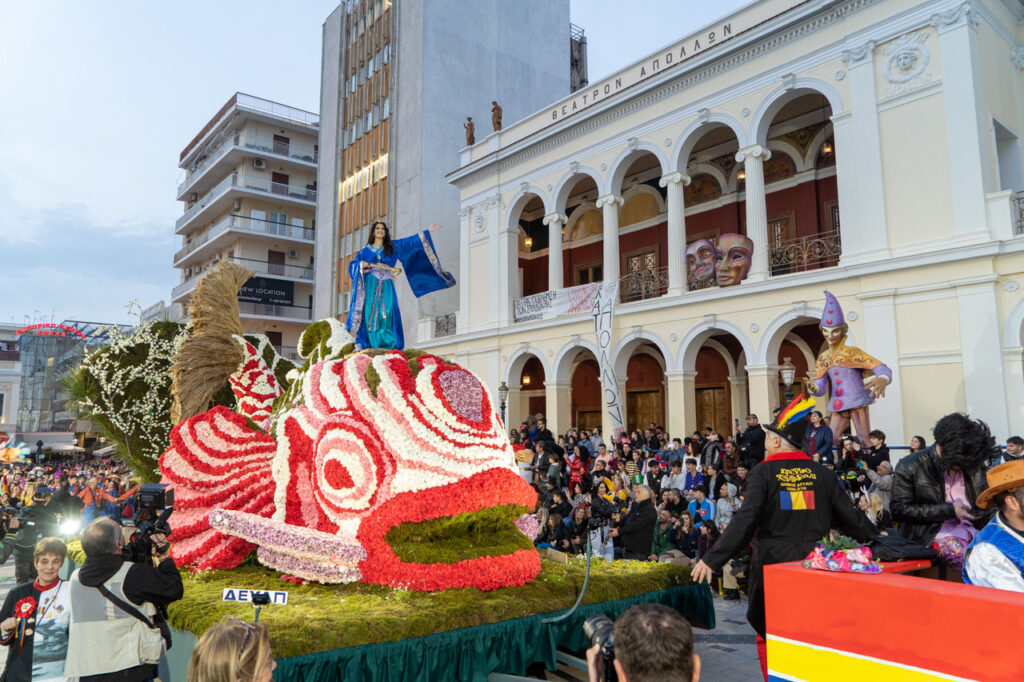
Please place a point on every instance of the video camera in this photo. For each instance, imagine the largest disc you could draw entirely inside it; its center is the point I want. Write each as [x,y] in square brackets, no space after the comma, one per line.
[600,630]
[154,505]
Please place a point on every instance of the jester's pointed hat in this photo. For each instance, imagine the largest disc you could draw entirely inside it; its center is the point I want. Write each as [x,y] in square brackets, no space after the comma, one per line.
[832,315]
[791,422]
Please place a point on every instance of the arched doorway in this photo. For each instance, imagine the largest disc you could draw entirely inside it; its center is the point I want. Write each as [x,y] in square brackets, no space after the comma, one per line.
[533,394]
[533,243]
[585,392]
[582,235]
[645,388]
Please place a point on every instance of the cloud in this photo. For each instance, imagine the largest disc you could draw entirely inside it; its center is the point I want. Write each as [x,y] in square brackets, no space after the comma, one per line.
[81,268]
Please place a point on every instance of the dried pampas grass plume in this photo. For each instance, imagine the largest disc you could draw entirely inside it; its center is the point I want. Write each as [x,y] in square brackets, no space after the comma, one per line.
[210,354]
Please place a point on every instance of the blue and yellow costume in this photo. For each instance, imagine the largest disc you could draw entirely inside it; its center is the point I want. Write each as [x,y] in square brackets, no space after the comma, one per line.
[373,315]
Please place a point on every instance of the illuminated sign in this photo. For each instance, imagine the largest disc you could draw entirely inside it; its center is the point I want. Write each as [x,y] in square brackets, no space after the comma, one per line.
[51,329]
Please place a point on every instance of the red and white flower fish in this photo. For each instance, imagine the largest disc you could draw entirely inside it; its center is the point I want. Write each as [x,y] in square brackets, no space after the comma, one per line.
[366,443]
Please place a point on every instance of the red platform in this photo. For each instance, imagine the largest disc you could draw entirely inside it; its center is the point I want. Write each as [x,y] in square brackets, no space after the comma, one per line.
[888,626]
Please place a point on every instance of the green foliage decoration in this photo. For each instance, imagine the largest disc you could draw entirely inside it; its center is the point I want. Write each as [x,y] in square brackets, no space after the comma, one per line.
[487,532]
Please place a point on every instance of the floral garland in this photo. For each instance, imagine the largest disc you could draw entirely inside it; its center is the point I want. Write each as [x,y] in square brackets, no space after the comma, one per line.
[356,446]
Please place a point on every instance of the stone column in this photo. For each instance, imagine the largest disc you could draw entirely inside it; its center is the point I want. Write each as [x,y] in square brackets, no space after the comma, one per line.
[555,222]
[681,403]
[674,183]
[1013,381]
[609,204]
[462,318]
[879,334]
[739,403]
[753,158]
[968,136]
[556,406]
[980,347]
[764,391]
[858,151]
[514,412]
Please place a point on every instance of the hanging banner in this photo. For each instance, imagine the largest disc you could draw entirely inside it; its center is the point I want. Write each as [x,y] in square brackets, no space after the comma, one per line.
[267,291]
[550,304]
[604,317]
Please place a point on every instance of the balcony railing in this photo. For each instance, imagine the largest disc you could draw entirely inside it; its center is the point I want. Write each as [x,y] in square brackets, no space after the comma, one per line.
[247,182]
[289,311]
[289,353]
[277,109]
[185,286]
[643,284]
[805,253]
[234,141]
[10,355]
[1018,215]
[246,224]
[261,267]
[444,325]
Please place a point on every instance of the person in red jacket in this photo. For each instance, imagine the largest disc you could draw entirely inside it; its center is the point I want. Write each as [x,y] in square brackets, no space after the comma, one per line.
[93,497]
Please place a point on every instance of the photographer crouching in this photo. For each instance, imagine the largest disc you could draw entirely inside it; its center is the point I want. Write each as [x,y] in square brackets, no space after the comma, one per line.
[123,643]
[648,643]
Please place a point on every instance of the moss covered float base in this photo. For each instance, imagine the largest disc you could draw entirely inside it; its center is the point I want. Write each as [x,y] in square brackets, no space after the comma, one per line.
[324,617]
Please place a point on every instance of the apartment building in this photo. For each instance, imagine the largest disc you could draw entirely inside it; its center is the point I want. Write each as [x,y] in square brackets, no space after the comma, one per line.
[399,80]
[249,190]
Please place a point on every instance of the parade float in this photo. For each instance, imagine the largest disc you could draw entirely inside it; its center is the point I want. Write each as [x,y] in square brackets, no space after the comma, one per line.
[379,490]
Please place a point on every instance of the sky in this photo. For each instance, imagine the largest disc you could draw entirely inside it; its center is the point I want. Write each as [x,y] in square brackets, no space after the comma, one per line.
[98,98]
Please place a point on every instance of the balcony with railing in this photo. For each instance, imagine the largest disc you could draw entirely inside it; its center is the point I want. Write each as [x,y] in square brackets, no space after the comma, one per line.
[292,272]
[1018,213]
[260,267]
[236,142]
[305,196]
[291,312]
[246,225]
[805,253]
[289,353]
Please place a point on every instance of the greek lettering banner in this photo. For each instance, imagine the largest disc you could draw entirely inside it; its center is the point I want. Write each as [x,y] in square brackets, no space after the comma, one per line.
[604,317]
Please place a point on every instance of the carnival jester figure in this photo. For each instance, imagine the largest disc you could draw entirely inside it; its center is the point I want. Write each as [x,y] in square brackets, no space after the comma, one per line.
[856,378]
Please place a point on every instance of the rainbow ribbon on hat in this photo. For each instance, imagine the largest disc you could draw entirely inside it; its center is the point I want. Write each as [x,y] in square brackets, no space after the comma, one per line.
[800,406]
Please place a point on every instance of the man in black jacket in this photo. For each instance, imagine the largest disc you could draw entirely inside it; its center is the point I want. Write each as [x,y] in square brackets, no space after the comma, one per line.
[160,585]
[791,502]
[637,531]
[751,441]
[878,452]
[918,504]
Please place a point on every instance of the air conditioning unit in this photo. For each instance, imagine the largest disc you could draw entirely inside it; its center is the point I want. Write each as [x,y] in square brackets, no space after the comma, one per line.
[237,206]
[293,254]
[194,196]
[259,164]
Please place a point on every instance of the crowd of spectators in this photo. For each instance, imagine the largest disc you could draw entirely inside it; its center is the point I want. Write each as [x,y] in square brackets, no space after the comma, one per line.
[648,496]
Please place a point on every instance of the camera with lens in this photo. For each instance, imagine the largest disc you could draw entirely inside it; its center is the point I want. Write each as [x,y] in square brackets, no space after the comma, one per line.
[154,504]
[600,630]
[6,514]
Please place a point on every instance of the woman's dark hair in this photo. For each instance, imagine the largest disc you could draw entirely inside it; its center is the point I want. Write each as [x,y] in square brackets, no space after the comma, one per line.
[966,443]
[924,443]
[388,246]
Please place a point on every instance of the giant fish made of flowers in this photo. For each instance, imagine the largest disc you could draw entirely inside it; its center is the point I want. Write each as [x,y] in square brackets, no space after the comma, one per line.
[314,476]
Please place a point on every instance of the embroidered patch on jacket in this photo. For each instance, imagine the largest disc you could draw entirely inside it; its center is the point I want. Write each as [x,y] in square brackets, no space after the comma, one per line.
[792,501]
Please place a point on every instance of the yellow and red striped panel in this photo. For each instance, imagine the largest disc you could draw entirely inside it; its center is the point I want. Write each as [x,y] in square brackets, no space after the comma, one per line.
[846,626]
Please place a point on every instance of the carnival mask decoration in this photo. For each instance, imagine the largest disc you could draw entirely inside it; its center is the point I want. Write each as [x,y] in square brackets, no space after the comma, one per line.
[322,477]
[700,259]
[734,254]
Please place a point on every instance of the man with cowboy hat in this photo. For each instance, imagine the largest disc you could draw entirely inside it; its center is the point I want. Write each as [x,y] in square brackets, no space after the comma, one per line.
[995,558]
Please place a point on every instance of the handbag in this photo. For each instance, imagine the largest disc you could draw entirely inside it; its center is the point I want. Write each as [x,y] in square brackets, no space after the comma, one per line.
[895,547]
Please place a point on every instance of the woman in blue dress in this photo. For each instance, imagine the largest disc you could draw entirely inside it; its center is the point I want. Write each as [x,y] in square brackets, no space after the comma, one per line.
[373,316]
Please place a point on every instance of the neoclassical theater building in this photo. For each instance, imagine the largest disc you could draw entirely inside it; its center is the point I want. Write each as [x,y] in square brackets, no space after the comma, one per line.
[866,147]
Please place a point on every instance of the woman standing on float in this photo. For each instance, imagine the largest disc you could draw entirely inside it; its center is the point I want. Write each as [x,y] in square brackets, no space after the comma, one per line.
[373,316]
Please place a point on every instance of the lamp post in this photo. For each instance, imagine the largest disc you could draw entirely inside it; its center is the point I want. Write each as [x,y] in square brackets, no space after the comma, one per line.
[788,372]
[502,397]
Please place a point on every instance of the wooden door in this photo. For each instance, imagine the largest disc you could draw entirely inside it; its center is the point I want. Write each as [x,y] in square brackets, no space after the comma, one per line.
[782,251]
[588,420]
[275,262]
[274,338]
[644,407]
[279,183]
[281,145]
[713,410]
[640,280]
